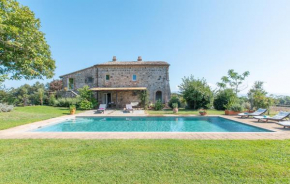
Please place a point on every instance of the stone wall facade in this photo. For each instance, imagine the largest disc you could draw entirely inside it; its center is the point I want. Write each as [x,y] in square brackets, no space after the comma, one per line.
[80,78]
[154,77]
[120,98]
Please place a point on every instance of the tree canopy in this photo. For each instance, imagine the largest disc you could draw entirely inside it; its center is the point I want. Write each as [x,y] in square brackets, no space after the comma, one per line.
[233,80]
[55,85]
[258,96]
[196,92]
[24,52]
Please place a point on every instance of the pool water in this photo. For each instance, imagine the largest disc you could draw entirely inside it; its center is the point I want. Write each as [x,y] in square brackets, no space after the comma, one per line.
[150,124]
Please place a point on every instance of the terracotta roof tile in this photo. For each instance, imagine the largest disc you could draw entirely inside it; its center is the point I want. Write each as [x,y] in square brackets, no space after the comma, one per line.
[133,63]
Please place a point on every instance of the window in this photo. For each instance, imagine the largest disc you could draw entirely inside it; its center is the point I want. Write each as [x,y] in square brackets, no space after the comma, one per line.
[134,77]
[89,80]
[107,77]
[158,96]
[70,83]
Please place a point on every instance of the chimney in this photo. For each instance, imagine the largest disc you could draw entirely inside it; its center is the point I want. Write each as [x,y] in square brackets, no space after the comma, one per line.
[114,58]
[139,58]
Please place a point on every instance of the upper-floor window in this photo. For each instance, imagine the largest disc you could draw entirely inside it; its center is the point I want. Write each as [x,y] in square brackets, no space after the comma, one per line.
[134,77]
[107,77]
[70,83]
[89,80]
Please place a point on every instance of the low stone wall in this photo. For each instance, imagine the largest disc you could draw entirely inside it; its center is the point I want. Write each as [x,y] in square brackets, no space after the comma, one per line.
[66,94]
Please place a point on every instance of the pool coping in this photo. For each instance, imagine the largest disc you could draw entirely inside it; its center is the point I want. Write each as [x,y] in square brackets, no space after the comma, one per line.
[24,131]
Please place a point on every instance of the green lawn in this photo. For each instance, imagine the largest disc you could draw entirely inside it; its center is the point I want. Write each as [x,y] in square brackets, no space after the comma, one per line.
[24,115]
[144,161]
[185,112]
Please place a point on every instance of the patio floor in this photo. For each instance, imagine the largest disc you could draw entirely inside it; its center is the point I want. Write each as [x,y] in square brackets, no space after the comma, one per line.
[24,131]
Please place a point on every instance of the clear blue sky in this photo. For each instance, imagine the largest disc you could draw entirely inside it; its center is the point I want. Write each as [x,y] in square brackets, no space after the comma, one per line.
[203,38]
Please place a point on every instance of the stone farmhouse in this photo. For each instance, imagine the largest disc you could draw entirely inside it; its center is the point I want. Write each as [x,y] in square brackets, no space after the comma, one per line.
[117,83]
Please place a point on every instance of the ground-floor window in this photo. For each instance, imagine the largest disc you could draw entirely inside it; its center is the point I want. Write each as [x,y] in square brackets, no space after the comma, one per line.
[158,96]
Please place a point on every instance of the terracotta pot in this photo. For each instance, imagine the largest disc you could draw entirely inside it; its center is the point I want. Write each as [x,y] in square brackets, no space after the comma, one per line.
[72,112]
[175,110]
[202,113]
[229,112]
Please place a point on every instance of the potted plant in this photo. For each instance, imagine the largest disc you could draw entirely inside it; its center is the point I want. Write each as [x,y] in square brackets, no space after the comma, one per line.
[247,107]
[235,109]
[175,107]
[228,106]
[202,112]
[72,109]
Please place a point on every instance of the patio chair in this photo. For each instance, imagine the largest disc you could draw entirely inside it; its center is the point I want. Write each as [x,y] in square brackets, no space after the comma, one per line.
[129,108]
[102,108]
[258,112]
[279,117]
[284,124]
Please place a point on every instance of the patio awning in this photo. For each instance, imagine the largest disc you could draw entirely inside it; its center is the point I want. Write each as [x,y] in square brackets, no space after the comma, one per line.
[120,89]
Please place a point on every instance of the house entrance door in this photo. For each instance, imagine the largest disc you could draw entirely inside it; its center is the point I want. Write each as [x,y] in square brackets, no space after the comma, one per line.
[107,98]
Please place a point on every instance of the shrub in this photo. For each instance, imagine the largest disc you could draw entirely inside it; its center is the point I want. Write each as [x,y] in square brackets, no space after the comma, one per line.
[236,108]
[6,108]
[52,100]
[247,105]
[174,99]
[87,99]
[223,98]
[66,102]
[85,104]
[158,105]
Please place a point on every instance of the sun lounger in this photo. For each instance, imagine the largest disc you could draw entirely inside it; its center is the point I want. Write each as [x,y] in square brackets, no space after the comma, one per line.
[279,117]
[259,112]
[284,123]
[129,108]
[134,104]
[102,108]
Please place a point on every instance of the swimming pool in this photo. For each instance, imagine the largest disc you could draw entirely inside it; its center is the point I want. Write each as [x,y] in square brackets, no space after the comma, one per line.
[149,124]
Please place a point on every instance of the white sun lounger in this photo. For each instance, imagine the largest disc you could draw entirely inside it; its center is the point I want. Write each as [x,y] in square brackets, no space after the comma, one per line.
[258,112]
[102,108]
[284,123]
[129,108]
[279,117]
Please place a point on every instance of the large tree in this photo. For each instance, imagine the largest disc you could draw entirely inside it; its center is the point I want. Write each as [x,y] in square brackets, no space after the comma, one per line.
[24,52]
[196,92]
[233,81]
[55,85]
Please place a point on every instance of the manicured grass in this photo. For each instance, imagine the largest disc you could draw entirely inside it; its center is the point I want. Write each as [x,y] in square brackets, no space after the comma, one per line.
[144,161]
[185,112]
[24,115]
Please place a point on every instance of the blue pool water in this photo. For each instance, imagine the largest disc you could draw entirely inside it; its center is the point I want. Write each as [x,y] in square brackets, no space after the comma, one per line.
[150,124]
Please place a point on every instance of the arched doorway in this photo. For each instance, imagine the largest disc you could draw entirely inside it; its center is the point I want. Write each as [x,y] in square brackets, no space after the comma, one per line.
[158,96]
